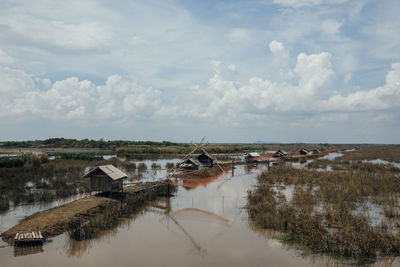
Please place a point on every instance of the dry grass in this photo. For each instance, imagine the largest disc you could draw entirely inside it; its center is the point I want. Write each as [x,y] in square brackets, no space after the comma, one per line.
[370,152]
[321,215]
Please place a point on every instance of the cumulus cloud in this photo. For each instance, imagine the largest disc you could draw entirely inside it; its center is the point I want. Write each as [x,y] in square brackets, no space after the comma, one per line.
[117,99]
[229,102]
[385,97]
[281,56]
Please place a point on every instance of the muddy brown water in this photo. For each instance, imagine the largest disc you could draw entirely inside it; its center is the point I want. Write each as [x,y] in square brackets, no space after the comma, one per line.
[202,225]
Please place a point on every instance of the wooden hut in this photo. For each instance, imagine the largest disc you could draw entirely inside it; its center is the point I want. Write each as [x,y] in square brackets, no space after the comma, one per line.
[303,152]
[106,178]
[252,156]
[279,154]
[206,159]
[189,164]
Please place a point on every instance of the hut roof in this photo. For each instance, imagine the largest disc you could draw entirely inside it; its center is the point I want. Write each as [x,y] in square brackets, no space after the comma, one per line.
[205,153]
[109,170]
[191,161]
[253,154]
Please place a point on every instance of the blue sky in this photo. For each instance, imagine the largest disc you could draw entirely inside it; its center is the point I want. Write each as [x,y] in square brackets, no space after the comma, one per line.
[234,71]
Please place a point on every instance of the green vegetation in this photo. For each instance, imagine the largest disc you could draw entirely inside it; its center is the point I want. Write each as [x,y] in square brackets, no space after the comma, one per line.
[326,212]
[22,160]
[79,156]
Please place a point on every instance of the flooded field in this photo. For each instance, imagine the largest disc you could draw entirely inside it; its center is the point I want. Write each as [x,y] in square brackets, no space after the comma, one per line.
[205,223]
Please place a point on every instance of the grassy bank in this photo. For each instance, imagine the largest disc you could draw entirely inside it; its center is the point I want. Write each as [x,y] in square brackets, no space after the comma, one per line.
[84,218]
[330,212]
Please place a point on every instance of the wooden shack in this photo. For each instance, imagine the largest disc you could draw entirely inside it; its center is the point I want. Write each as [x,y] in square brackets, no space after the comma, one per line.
[106,178]
[189,164]
[279,154]
[252,156]
[303,152]
[206,159]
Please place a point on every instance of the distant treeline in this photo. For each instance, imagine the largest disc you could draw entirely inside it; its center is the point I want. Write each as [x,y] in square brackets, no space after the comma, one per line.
[125,147]
[74,143]
[185,148]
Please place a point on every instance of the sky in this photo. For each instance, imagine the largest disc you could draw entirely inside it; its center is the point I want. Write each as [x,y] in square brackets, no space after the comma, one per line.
[234,71]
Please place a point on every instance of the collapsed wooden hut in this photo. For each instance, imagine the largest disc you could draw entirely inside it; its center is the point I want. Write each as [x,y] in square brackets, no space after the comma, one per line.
[189,164]
[106,178]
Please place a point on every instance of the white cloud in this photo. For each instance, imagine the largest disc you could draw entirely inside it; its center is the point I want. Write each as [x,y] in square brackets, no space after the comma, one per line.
[385,97]
[228,102]
[281,56]
[331,28]
[71,99]
[48,25]
[315,72]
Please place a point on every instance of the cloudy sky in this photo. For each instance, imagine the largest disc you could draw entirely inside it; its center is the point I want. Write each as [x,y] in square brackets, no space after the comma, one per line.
[233,71]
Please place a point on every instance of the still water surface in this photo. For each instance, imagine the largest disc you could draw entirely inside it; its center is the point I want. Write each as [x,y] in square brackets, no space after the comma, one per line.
[204,224]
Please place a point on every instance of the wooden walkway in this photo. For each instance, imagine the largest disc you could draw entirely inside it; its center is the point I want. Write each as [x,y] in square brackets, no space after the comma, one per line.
[31,238]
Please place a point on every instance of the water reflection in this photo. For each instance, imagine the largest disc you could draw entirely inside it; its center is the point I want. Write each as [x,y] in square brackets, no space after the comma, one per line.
[27,250]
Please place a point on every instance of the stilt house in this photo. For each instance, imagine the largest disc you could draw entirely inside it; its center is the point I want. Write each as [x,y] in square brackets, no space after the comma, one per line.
[106,178]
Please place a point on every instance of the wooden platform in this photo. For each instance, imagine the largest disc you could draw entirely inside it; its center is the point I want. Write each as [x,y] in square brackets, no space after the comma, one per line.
[31,238]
